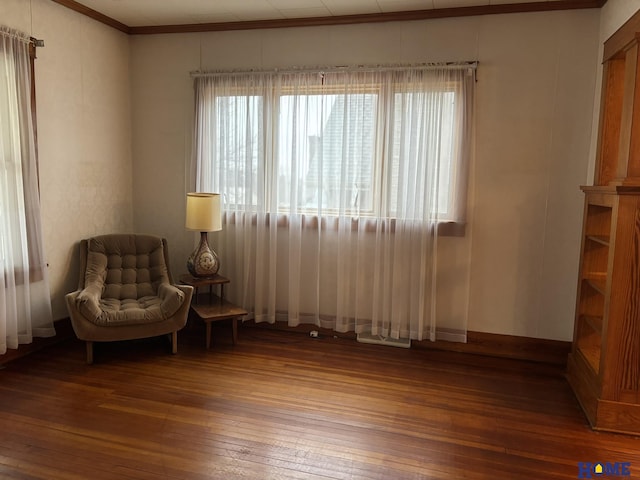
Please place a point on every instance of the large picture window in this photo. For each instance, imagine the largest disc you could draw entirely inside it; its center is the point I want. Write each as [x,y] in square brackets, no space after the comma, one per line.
[382,143]
[337,185]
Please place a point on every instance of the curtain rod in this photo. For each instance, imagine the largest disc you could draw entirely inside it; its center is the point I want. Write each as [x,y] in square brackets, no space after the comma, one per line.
[10,32]
[343,68]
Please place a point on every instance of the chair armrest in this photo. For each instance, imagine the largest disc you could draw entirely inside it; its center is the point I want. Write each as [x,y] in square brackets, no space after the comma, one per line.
[171,298]
[87,302]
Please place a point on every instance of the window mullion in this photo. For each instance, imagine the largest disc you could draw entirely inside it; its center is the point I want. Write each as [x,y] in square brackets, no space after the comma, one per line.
[383,150]
[270,165]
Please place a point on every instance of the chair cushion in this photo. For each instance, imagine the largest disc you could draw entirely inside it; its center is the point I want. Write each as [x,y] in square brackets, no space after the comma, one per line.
[127,281]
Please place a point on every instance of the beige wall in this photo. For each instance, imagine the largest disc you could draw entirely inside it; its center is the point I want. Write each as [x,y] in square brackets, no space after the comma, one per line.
[84,131]
[534,116]
[112,109]
[533,136]
[614,14]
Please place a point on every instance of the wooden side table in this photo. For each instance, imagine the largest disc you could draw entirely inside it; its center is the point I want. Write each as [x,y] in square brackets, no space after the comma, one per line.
[217,308]
[197,282]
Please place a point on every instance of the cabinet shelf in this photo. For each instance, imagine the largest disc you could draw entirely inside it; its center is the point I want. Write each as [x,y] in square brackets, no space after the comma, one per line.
[593,321]
[601,239]
[598,282]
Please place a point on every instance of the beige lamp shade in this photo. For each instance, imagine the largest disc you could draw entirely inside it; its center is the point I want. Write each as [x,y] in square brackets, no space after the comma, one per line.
[204,212]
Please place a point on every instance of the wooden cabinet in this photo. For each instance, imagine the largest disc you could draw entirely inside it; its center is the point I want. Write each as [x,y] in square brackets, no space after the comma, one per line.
[604,364]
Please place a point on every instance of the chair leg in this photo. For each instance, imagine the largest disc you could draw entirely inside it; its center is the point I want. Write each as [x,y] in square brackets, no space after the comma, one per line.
[174,342]
[89,353]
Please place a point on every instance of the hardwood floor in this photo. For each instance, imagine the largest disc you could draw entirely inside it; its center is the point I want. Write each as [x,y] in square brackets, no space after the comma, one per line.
[281,405]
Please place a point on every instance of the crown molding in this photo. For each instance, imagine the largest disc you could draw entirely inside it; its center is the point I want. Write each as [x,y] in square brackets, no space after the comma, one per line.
[622,38]
[553,5]
[91,13]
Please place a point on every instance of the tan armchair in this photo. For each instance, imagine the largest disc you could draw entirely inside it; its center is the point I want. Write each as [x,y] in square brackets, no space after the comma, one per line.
[126,291]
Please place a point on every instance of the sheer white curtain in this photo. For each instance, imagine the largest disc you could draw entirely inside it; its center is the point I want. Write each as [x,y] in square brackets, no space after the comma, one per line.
[336,183]
[25,306]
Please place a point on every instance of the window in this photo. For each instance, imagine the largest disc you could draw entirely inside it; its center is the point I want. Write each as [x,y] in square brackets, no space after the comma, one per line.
[326,146]
[337,185]
[14,140]
[386,143]
[239,139]
[26,310]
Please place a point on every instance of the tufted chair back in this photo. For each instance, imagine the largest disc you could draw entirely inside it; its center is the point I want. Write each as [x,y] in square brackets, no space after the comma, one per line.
[127,266]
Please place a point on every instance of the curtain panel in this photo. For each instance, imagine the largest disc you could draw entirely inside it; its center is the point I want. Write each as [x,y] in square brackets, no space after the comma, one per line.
[25,306]
[335,185]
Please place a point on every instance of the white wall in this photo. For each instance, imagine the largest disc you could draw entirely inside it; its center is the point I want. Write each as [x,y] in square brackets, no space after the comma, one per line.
[534,119]
[538,83]
[536,87]
[538,95]
[84,132]
[614,14]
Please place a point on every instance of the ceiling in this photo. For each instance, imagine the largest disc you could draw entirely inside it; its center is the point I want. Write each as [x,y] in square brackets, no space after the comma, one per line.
[173,12]
[137,14]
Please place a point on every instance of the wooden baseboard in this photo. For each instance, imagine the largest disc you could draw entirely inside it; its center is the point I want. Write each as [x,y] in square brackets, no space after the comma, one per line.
[489,344]
[508,346]
[64,331]
[554,352]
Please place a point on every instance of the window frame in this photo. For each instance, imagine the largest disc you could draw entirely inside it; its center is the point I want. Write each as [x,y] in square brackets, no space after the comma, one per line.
[456,199]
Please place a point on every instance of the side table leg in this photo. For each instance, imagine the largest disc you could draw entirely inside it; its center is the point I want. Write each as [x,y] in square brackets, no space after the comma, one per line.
[234,334]
[208,335]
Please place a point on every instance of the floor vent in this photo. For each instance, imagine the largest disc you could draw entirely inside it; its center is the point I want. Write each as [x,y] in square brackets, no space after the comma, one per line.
[380,340]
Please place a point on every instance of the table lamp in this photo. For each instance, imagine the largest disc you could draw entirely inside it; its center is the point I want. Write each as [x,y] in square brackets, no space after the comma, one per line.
[204,215]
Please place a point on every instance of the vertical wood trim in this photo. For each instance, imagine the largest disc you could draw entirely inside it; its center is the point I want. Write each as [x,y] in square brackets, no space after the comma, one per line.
[34,118]
[631,56]
[630,345]
[624,298]
[633,169]
[599,174]
[606,334]
[35,259]
[610,117]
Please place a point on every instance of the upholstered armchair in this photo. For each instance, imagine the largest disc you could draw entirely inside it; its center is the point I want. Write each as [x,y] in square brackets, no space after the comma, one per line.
[126,291]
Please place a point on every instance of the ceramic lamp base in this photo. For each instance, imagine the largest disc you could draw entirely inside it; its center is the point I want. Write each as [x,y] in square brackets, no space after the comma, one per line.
[203,262]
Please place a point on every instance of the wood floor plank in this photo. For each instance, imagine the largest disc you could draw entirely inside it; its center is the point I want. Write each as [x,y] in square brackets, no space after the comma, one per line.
[281,405]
